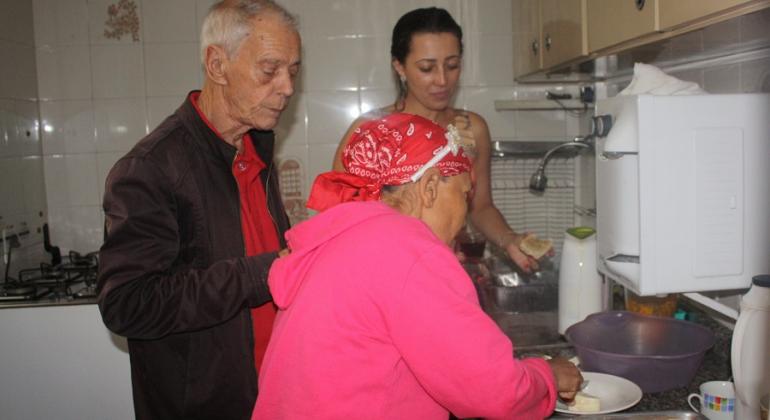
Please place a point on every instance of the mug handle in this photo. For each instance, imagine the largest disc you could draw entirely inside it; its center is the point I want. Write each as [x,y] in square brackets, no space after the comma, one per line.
[700,401]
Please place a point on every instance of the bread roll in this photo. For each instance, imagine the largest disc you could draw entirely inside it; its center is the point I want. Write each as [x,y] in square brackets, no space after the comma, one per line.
[535,247]
[585,403]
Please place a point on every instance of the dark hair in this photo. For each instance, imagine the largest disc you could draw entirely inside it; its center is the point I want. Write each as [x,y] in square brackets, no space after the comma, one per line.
[431,20]
[428,20]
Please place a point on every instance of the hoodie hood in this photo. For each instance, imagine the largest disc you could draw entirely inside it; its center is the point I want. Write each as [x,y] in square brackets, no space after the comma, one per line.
[304,240]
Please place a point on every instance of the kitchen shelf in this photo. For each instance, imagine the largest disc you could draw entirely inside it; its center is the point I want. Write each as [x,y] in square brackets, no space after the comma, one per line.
[531,149]
[538,104]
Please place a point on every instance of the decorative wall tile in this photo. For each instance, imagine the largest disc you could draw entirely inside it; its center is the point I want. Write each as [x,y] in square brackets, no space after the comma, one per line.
[292,176]
[122,20]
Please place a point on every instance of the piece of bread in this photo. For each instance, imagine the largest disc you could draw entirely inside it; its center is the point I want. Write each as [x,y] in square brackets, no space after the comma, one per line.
[535,247]
[585,403]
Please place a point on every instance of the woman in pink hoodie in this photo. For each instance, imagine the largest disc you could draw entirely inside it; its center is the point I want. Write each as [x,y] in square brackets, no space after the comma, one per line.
[377,319]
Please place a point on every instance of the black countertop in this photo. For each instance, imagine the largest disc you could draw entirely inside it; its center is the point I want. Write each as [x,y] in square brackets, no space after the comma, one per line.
[715,365]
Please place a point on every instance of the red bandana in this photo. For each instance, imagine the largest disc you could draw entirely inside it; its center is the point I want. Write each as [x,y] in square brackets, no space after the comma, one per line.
[388,151]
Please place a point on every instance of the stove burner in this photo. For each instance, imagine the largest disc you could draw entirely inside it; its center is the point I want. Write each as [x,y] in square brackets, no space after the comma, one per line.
[58,281]
[18,290]
[21,292]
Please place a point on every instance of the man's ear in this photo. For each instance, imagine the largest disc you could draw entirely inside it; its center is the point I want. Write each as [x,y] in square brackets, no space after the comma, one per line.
[215,64]
[427,186]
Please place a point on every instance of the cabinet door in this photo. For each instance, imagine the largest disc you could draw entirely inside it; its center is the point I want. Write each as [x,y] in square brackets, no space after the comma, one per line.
[527,57]
[677,12]
[564,30]
[611,22]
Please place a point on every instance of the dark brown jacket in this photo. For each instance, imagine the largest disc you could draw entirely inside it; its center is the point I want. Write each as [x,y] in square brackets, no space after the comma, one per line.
[173,277]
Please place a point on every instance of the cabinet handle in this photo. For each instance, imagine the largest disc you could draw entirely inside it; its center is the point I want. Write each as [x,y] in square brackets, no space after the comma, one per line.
[547,42]
[535,47]
[639,4]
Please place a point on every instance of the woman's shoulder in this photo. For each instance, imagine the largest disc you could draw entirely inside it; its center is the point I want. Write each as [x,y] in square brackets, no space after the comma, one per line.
[475,118]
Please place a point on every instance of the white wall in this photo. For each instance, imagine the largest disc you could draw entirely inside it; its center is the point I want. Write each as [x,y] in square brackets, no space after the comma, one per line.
[60,362]
[99,96]
[22,187]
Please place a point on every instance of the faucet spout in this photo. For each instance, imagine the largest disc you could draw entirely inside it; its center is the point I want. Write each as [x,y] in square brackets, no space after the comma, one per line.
[538,180]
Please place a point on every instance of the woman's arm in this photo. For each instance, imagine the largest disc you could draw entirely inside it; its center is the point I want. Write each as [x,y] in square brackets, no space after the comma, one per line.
[483,213]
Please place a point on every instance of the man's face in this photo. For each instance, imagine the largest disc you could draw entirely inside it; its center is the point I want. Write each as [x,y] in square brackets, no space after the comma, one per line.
[260,76]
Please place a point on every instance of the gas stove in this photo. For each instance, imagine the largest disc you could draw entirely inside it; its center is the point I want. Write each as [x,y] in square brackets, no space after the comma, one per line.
[72,278]
[68,277]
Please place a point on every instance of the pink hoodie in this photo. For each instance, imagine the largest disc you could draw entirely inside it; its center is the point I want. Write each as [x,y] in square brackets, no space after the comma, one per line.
[378,320]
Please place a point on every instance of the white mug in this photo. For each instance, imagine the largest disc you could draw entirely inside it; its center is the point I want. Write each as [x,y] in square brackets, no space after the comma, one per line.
[717,400]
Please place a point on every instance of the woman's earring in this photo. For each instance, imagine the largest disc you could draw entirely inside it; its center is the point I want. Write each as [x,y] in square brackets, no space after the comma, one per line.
[403,79]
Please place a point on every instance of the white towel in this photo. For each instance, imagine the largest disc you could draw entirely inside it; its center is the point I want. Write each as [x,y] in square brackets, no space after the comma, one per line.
[653,81]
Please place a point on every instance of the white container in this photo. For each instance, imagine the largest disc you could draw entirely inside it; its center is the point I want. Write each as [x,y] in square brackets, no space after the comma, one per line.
[750,350]
[580,285]
[682,192]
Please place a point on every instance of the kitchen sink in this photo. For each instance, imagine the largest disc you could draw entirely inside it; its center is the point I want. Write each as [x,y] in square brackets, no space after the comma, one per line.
[524,306]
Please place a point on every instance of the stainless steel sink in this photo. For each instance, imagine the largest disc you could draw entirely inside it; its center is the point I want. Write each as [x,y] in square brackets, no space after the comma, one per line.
[525,306]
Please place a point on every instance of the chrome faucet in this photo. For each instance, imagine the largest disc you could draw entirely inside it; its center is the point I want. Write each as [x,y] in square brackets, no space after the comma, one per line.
[600,126]
[538,181]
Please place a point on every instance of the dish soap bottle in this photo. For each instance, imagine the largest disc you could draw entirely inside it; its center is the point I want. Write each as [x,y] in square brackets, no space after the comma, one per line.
[750,351]
[580,285]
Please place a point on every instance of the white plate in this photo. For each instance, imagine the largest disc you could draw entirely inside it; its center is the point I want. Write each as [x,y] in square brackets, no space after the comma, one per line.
[614,393]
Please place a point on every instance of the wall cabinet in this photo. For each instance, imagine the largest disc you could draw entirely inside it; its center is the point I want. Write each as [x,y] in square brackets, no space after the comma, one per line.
[527,57]
[547,33]
[611,22]
[554,34]
[677,12]
[564,30]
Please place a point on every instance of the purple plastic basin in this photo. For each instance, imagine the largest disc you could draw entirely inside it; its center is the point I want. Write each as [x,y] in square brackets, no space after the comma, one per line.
[656,353]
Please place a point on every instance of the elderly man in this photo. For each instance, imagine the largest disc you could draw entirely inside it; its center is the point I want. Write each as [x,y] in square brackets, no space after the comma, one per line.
[194,221]
[378,319]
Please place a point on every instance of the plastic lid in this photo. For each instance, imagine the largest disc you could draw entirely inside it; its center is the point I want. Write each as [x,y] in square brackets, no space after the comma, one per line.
[581,232]
[762,280]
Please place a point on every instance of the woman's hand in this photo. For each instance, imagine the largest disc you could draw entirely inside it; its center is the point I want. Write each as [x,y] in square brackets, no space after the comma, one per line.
[567,376]
[512,247]
[462,123]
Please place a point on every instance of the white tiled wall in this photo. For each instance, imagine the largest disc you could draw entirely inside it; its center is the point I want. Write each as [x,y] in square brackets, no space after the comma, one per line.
[99,96]
[22,191]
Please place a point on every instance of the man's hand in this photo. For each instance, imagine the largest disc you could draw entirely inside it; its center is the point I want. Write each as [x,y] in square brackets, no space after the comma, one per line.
[284,252]
[567,376]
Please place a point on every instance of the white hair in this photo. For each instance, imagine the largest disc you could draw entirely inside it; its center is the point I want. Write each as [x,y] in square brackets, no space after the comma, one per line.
[228,23]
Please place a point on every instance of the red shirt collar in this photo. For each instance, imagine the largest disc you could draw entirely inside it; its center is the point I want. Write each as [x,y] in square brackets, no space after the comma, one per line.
[249,153]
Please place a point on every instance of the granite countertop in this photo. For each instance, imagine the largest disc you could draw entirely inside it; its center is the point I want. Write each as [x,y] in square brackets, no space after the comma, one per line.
[715,365]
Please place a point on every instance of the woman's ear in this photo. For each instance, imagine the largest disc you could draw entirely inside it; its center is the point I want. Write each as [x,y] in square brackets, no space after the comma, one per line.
[427,187]
[215,64]
[399,69]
